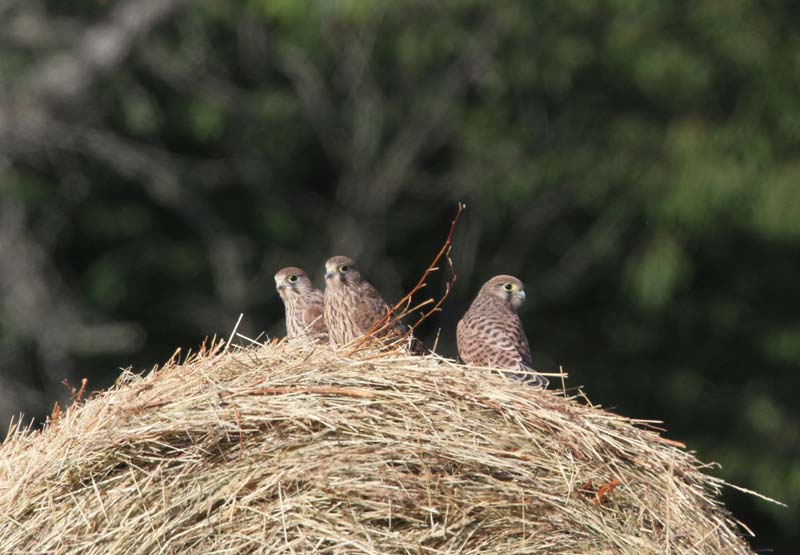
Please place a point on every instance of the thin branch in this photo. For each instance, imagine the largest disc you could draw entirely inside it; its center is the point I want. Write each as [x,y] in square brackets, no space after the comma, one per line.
[403,306]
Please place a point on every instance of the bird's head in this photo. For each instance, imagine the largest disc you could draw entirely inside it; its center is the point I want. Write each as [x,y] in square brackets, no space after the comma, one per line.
[340,270]
[507,288]
[292,281]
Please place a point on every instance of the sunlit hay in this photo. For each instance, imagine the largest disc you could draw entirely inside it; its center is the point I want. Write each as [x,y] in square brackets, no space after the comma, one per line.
[295,448]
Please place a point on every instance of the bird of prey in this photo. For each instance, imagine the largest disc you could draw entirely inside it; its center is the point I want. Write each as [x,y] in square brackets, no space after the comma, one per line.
[353,305]
[303,303]
[491,333]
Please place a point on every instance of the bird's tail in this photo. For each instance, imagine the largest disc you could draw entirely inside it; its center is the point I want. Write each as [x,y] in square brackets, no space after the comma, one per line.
[532,377]
[537,380]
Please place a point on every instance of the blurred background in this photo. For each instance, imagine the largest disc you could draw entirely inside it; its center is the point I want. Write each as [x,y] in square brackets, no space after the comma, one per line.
[635,162]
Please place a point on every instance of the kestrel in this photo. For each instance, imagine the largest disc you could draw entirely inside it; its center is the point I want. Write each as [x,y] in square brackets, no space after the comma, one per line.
[491,333]
[303,303]
[353,305]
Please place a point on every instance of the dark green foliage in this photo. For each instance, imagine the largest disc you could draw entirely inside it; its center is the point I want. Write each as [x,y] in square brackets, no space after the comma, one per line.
[636,163]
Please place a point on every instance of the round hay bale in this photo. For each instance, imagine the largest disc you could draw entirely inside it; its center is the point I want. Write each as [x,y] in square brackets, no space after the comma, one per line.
[296,448]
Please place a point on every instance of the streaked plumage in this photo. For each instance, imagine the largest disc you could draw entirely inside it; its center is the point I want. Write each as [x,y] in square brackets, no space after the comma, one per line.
[491,332]
[353,305]
[303,303]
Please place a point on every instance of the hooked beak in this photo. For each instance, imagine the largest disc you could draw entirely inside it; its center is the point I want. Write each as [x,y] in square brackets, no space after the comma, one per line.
[329,275]
[280,286]
[521,295]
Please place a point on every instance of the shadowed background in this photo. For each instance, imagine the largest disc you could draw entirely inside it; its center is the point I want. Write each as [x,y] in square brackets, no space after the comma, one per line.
[635,163]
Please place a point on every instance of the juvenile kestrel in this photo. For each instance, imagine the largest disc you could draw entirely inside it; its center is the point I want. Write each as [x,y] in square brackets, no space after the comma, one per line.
[303,303]
[353,305]
[491,333]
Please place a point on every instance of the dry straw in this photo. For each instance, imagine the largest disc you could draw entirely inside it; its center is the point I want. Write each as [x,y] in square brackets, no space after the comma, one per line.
[295,448]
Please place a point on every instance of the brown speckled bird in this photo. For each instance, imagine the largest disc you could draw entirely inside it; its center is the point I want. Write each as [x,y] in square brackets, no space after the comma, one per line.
[353,305]
[491,333]
[303,303]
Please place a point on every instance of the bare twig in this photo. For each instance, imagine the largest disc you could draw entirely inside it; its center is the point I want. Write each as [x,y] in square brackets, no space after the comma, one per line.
[403,307]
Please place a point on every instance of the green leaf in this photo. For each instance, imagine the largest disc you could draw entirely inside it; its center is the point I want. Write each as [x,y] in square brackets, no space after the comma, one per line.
[654,275]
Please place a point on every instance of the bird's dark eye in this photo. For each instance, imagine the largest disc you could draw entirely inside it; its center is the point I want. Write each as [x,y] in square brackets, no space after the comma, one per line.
[293,278]
[508,287]
[343,268]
